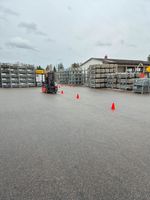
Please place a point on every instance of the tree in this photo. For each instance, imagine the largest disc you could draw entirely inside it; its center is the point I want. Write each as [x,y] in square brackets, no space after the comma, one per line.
[148,58]
[49,68]
[75,65]
[54,69]
[60,67]
[39,68]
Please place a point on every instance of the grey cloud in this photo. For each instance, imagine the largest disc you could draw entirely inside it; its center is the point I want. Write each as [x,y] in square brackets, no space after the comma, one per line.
[79,29]
[50,40]
[71,50]
[20,43]
[41,33]
[132,45]
[8,11]
[2,18]
[122,42]
[78,38]
[69,8]
[31,28]
[103,44]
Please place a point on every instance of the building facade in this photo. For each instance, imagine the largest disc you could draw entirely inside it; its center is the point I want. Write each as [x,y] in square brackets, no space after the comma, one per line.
[121,65]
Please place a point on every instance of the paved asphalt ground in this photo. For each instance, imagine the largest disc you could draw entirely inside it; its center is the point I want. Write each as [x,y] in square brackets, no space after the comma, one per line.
[54,147]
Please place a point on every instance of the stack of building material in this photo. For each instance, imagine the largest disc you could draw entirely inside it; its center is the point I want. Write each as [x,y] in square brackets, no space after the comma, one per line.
[30,76]
[14,75]
[72,76]
[88,78]
[123,81]
[17,75]
[75,77]
[0,79]
[22,72]
[5,75]
[84,77]
[63,76]
[112,80]
[98,75]
[126,80]
[142,85]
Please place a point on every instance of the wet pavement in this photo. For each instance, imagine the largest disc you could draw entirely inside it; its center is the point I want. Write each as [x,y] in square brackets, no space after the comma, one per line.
[55,147]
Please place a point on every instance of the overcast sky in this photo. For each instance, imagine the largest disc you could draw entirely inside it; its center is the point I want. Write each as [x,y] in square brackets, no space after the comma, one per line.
[41,32]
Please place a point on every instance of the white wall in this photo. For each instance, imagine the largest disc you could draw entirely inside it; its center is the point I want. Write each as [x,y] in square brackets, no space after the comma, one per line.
[91,62]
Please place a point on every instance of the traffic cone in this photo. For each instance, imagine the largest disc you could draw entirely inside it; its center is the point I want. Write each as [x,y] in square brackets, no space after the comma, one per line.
[62,92]
[78,96]
[113,107]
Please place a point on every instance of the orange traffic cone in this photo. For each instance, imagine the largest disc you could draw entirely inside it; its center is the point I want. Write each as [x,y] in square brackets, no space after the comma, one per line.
[62,92]
[78,96]
[113,107]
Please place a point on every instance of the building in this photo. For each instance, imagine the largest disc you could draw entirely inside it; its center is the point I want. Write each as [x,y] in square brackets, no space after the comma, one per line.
[17,75]
[121,65]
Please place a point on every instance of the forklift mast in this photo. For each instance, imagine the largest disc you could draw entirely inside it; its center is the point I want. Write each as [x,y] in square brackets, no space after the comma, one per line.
[50,78]
[50,85]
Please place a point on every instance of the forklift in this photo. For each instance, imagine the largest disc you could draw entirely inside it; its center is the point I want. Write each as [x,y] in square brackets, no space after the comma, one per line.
[50,85]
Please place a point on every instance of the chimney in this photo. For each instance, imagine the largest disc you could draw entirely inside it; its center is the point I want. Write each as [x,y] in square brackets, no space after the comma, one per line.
[106,57]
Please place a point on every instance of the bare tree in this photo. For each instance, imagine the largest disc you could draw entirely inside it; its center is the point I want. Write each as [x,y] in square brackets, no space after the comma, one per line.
[60,67]
[75,66]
